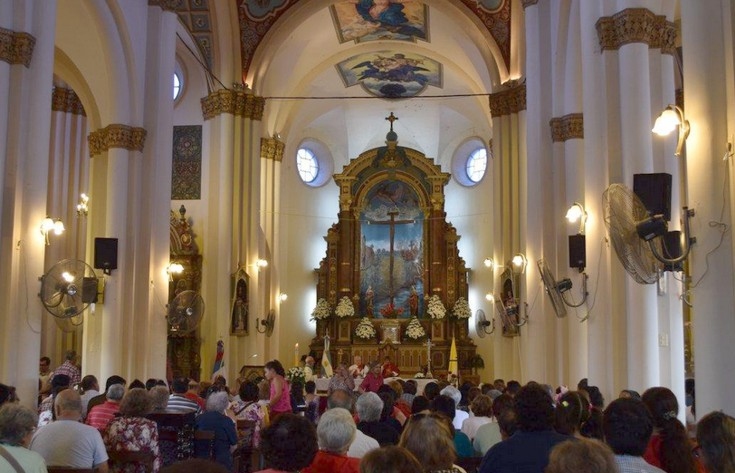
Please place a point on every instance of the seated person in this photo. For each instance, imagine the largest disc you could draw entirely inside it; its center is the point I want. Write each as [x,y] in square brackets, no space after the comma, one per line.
[288,444]
[335,433]
[358,369]
[369,408]
[389,369]
[225,434]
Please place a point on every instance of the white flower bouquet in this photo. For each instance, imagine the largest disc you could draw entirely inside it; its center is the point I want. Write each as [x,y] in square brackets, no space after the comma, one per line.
[322,310]
[365,329]
[436,309]
[296,374]
[345,308]
[419,375]
[461,309]
[414,330]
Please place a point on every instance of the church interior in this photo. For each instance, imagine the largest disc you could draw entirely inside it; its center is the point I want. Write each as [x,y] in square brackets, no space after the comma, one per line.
[374,178]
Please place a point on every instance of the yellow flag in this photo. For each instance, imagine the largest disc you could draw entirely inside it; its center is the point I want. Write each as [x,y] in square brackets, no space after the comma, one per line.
[453,367]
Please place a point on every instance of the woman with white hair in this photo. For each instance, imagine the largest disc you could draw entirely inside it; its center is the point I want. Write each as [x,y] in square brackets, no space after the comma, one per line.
[17,424]
[223,425]
[336,431]
[369,406]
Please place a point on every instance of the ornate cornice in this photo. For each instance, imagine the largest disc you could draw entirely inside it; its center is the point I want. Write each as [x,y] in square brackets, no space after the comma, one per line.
[509,101]
[66,101]
[116,136]
[637,25]
[167,5]
[272,148]
[233,102]
[568,127]
[16,48]
[528,3]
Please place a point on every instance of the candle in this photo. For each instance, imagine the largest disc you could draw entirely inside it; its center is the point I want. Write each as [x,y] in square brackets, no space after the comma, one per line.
[296,355]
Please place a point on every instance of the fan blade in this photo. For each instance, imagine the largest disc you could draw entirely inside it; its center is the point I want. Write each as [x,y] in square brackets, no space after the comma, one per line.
[552,289]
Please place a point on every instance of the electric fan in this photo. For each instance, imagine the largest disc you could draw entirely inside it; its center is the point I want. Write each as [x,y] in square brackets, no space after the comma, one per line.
[623,210]
[554,288]
[68,288]
[268,323]
[185,312]
[481,324]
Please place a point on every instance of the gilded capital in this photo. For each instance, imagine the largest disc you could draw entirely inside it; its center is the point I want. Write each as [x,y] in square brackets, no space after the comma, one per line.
[509,101]
[272,148]
[637,25]
[568,127]
[239,103]
[66,101]
[528,3]
[116,136]
[168,5]
[16,48]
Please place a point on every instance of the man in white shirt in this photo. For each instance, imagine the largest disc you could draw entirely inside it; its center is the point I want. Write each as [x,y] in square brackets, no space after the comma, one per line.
[362,443]
[358,369]
[309,369]
[459,415]
[66,441]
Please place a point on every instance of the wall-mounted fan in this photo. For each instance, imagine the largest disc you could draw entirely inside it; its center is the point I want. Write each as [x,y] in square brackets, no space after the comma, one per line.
[268,323]
[482,324]
[623,211]
[509,316]
[185,312]
[554,288]
[68,288]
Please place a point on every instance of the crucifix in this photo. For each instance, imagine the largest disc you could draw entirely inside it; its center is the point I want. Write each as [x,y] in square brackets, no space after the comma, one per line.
[428,345]
[391,118]
[392,223]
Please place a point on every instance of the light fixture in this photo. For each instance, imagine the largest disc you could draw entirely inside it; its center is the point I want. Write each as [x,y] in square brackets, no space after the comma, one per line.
[261,263]
[490,297]
[83,205]
[489,263]
[282,296]
[520,262]
[671,118]
[174,268]
[577,213]
[49,225]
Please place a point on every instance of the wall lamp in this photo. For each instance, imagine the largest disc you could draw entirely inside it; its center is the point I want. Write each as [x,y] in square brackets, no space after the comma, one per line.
[49,225]
[490,297]
[174,268]
[520,262]
[261,263]
[282,297]
[489,263]
[577,213]
[671,118]
[83,205]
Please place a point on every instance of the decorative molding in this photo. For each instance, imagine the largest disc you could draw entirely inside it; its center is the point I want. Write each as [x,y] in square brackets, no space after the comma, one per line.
[272,148]
[637,25]
[116,136]
[568,127]
[66,101]
[16,48]
[233,102]
[509,101]
[168,5]
[528,3]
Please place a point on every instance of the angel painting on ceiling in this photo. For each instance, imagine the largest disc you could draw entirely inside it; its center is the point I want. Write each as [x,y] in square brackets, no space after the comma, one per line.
[391,74]
[371,20]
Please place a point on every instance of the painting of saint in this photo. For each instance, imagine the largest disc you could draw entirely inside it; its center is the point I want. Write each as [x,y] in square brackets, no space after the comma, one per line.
[392,251]
[372,20]
[239,322]
[391,74]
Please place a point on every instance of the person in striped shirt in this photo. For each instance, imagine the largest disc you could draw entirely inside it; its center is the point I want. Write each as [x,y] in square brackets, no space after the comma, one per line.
[178,402]
[101,415]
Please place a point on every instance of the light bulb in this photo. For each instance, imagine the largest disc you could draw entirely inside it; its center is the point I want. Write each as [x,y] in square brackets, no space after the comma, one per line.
[574,213]
[490,297]
[58,227]
[666,122]
[488,262]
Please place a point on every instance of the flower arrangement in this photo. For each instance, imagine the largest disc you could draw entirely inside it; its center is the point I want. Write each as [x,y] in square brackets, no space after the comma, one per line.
[436,309]
[296,374]
[390,311]
[461,309]
[322,310]
[365,329]
[419,375]
[414,329]
[345,308]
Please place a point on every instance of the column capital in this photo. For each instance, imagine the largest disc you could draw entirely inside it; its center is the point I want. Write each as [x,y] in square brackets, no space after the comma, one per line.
[568,127]
[16,48]
[167,5]
[235,102]
[509,101]
[66,101]
[637,25]
[528,3]
[272,148]
[116,136]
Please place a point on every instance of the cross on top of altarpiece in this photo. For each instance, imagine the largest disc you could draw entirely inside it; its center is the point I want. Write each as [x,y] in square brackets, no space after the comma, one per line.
[391,118]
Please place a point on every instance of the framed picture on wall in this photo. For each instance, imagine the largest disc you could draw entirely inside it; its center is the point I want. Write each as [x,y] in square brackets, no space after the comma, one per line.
[509,303]
[240,319]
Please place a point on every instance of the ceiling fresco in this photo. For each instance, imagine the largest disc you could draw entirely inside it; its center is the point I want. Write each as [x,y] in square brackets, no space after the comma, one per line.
[391,74]
[367,20]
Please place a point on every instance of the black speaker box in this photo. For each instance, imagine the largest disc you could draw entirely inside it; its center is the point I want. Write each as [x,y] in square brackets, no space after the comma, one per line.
[105,254]
[654,190]
[577,252]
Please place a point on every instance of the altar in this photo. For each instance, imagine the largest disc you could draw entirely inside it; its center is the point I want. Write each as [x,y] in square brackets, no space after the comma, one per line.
[392,277]
[322,384]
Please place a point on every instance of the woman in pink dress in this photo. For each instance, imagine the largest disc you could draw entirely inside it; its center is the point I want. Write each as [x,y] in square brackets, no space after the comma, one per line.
[280,398]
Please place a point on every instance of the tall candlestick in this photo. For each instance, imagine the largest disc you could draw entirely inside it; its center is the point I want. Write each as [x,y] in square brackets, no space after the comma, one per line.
[296,355]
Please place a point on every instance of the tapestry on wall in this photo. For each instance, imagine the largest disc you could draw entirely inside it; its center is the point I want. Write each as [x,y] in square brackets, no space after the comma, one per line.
[186,172]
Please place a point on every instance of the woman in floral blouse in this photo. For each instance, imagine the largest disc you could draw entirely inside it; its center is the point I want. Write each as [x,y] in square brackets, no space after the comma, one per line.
[247,408]
[132,432]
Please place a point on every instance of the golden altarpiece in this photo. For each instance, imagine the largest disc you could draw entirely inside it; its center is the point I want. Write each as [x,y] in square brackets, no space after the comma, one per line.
[390,251]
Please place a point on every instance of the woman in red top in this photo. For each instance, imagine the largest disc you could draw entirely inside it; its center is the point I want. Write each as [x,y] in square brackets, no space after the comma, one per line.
[280,398]
[336,431]
[373,380]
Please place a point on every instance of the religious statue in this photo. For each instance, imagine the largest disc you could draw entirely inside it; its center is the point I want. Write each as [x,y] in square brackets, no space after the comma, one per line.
[369,295]
[413,302]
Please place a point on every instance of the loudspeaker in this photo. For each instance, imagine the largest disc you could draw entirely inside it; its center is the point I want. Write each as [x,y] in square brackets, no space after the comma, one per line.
[577,252]
[654,190]
[105,254]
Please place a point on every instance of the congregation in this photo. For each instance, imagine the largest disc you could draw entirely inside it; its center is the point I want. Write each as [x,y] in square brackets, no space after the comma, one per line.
[362,423]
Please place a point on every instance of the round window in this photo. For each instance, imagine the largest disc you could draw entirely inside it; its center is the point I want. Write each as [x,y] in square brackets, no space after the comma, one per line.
[476,165]
[307,164]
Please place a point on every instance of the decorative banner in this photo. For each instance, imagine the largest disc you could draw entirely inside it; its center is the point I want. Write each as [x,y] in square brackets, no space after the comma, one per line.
[186,172]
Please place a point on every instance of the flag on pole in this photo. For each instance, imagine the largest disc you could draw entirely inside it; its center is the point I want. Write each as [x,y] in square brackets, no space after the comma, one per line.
[219,361]
[327,370]
[453,367]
